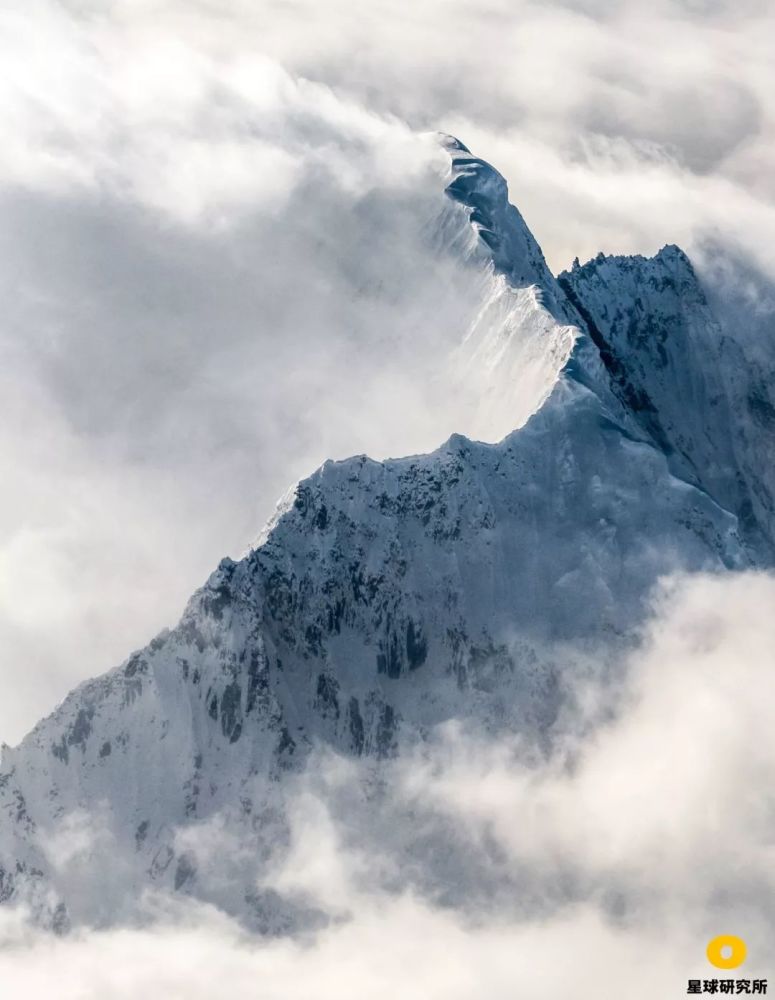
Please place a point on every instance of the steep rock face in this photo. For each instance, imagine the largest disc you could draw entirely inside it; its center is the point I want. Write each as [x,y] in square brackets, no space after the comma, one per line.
[683,378]
[387,597]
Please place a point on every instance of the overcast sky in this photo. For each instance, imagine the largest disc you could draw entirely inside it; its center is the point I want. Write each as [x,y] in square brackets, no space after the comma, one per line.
[216,265]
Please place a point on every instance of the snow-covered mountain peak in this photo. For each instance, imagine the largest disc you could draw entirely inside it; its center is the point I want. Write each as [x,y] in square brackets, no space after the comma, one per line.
[386,598]
[513,249]
[667,278]
[680,379]
[524,333]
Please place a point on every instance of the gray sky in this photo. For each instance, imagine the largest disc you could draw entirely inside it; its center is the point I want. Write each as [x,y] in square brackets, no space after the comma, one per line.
[216,266]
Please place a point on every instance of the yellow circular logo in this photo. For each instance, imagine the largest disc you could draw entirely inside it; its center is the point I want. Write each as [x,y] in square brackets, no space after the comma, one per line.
[726,951]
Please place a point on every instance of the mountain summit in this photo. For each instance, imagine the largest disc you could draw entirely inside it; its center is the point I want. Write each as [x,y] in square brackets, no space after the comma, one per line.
[387,598]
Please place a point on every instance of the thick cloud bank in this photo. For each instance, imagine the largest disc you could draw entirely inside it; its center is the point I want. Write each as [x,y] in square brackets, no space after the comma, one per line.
[481,869]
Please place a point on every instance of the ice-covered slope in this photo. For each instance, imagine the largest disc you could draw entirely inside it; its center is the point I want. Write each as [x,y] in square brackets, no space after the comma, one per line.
[387,597]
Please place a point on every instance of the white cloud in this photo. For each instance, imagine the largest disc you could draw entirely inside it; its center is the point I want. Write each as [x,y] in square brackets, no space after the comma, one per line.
[620,857]
[399,947]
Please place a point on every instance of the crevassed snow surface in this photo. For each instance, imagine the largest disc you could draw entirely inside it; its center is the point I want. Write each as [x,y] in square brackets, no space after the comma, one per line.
[622,434]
